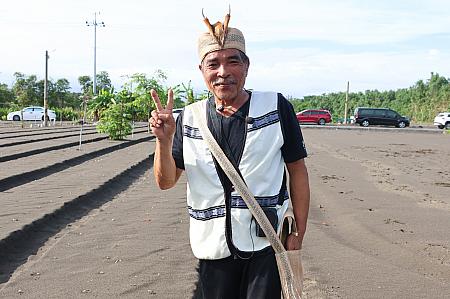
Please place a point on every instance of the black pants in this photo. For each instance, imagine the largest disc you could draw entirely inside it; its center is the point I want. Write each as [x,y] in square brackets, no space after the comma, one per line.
[236,278]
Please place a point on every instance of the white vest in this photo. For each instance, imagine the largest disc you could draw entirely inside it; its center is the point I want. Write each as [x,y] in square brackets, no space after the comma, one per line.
[262,167]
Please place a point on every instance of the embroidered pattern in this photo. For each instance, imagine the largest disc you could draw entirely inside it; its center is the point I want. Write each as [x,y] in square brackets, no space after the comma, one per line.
[264,121]
[207,214]
[192,132]
[264,201]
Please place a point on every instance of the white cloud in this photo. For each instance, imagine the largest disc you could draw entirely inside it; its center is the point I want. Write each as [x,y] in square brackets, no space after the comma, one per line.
[142,36]
[433,54]
[311,71]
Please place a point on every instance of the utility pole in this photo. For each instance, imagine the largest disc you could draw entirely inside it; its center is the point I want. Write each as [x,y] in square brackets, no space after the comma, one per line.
[346,103]
[45,90]
[94,24]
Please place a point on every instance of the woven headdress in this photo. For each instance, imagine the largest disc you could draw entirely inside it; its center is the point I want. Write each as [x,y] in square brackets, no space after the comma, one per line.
[218,37]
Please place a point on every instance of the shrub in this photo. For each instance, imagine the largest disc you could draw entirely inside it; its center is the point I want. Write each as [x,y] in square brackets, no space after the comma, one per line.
[4,112]
[115,122]
[68,114]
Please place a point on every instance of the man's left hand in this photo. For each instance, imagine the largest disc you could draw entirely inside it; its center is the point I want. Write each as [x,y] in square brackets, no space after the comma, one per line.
[294,242]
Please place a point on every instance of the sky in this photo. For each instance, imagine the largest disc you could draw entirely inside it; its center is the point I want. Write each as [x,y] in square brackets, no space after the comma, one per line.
[298,48]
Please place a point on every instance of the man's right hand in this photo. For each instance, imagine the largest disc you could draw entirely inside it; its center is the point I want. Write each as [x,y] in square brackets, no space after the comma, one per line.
[162,121]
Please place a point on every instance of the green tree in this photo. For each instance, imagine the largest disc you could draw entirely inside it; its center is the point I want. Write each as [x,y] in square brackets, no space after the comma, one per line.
[420,102]
[100,103]
[60,94]
[103,81]
[116,119]
[187,92]
[86,84]
[6,96]
[143,103]
[26,90]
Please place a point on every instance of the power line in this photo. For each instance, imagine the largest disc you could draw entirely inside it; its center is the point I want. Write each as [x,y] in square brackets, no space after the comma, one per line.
[94,24]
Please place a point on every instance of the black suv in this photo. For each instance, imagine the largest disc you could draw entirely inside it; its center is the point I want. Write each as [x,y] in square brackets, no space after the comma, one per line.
[379,116]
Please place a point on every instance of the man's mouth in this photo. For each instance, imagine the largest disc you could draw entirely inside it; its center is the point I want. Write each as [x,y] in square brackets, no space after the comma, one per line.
[224,83]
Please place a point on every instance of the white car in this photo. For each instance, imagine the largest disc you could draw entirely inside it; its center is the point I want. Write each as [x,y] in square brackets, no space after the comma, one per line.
[442,120]
[31,113]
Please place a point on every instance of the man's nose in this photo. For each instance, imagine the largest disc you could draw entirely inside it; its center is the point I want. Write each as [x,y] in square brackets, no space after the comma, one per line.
[223,71]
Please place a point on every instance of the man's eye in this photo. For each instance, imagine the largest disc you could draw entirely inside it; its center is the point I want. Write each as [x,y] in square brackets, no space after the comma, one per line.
[211,65]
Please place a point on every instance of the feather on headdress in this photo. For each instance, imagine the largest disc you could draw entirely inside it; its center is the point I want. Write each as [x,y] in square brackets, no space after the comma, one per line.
[219,36]
[219,31]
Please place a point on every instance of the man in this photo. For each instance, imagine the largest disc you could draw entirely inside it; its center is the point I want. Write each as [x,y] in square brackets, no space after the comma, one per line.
[259,133]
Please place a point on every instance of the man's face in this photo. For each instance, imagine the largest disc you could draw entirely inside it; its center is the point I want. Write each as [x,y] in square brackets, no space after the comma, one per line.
[224,73]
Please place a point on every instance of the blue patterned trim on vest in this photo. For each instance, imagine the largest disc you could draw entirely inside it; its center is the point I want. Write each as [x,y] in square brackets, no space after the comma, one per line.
[264,121]
[207,214]
[192,132]
[264,201]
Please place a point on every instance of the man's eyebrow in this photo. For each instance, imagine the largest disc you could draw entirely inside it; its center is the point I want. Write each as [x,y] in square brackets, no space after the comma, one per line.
[210,60]
[215,59]
[238,57]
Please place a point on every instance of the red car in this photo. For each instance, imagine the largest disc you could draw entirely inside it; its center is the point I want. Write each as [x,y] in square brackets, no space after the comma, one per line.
[315,116]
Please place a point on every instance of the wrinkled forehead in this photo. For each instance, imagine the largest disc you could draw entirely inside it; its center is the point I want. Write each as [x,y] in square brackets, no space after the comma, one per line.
[223,54]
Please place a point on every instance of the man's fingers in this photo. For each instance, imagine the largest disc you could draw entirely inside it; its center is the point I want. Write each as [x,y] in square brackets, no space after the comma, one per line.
[157,101]
[154,113]
[155,98]
[165,116]
[169,99]
[293,242]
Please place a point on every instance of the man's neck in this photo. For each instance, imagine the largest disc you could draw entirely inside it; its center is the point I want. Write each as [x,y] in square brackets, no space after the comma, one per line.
[228,107]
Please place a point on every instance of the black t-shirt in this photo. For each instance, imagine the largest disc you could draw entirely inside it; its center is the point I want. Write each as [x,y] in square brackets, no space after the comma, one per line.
[233,132]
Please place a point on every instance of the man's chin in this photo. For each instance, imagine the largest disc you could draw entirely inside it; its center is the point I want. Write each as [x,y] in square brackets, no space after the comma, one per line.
[224,95]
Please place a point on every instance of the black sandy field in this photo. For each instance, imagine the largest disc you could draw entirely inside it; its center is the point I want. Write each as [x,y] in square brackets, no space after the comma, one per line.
[90,222]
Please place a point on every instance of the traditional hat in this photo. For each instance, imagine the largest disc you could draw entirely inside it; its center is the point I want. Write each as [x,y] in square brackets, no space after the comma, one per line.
[218,37]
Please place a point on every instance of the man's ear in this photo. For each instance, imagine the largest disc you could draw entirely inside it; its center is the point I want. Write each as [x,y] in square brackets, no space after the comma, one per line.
[246,69]
[200,67]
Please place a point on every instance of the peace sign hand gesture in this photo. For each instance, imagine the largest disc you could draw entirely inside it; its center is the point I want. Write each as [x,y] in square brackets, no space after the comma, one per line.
[162,121]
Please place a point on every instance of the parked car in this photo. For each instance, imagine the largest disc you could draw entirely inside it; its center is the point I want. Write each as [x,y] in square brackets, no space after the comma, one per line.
[442,120]
[315,116]
[379,116]
[31,113]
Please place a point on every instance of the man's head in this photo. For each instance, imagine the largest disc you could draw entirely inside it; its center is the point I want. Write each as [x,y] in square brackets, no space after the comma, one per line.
[223,61]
